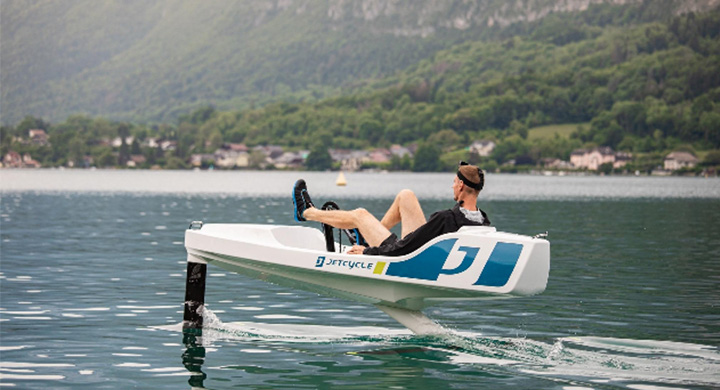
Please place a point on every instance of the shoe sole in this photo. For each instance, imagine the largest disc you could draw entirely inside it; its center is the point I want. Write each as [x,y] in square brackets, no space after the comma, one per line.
[295,203]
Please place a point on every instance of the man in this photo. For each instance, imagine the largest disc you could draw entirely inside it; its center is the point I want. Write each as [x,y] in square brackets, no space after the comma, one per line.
[405,209]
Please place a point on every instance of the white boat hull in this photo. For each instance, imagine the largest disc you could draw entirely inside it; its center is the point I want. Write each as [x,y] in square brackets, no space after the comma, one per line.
[473,263]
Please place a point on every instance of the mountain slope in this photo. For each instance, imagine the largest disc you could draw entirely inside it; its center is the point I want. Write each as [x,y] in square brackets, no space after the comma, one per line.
[641,88]
[152,60]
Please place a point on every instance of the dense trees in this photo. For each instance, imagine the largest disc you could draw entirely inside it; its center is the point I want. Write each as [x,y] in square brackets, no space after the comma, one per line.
[427,158]
[640,88]
[319,159]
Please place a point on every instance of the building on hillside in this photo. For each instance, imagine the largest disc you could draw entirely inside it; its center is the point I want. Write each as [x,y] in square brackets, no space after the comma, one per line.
[236,147]
[555,163]
[622,159]
[380,156]
[291,159]
[117,141]
[29,162]
[592,159]
[150,143]
[338,155]
[135,160]
[13,159]
[38,137]
[679,160]
[350,160]
[271,152]
[168,145]
[482,148]
[196,160]
[400,151]
[231,159]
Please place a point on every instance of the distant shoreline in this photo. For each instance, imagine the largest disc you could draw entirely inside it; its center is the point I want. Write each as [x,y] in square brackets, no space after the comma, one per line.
[533,172]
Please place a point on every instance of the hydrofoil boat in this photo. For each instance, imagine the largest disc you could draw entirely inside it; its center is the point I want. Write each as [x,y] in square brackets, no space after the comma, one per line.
[474,263]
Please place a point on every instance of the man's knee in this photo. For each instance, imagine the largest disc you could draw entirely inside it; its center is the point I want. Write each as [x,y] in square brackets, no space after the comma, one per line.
[360,213]
[406,194]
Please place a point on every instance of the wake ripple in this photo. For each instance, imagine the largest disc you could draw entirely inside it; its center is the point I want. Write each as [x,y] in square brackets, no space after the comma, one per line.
[635,364]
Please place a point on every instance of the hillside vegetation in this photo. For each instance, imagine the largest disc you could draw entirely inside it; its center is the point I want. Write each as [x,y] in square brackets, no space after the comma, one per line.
[151,61]
[642,87]
[552,131]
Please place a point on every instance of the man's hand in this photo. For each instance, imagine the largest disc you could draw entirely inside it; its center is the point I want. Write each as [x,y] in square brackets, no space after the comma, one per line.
[356,250]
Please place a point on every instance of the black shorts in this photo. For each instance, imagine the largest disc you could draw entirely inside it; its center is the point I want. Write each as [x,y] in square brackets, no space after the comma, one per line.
[392,238]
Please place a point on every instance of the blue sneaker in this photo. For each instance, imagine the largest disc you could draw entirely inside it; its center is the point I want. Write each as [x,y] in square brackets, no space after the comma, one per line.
[301,200]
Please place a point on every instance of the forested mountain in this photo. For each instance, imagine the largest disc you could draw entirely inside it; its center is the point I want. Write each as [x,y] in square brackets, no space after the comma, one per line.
[615,75]
[152,60]
[642,87]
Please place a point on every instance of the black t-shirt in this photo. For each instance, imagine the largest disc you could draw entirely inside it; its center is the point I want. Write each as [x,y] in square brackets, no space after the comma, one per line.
[441,222]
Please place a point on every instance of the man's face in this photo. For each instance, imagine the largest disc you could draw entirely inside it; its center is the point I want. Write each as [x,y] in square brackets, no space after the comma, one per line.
[457,184]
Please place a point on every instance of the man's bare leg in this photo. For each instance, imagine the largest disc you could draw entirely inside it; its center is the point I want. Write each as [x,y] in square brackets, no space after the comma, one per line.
[373,231]
[405,209]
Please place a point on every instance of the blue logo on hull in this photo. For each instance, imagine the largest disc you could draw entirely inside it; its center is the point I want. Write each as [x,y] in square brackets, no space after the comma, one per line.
[428,265]
[500,265]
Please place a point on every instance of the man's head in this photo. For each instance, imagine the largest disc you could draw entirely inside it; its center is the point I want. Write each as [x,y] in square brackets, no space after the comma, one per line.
[468,181]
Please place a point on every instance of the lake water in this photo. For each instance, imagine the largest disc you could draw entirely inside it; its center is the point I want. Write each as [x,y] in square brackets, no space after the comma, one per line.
[92,278]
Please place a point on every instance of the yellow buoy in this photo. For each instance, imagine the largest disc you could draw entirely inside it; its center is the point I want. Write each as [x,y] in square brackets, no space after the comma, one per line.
[341,180]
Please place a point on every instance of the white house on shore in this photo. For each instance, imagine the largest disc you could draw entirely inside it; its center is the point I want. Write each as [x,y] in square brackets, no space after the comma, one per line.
[483,148]
[14,160]
[592,159]
[679,160]
[230,159]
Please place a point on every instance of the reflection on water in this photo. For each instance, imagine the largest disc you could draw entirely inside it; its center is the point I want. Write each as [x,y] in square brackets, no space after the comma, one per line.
[194,357]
